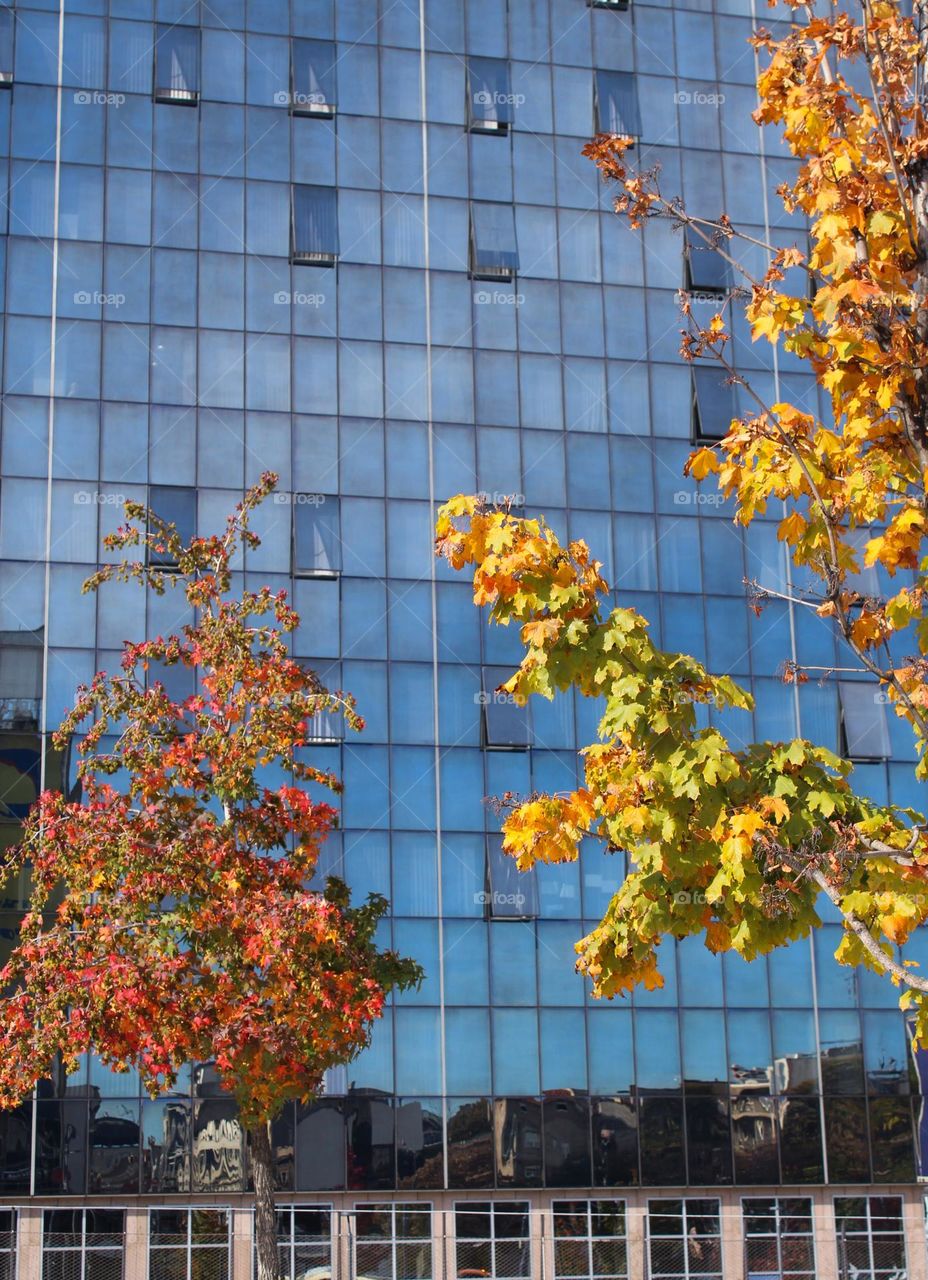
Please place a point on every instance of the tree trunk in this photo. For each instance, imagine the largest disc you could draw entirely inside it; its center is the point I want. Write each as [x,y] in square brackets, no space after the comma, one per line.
[262,1171]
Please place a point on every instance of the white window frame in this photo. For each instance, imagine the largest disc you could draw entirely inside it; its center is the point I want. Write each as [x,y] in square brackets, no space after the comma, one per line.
[777,1234]
[289,1242]
[689,1272]
[881,1273]
[80,1245]
[495,1206]
[189,1246]
[589,1239]
[391,1206]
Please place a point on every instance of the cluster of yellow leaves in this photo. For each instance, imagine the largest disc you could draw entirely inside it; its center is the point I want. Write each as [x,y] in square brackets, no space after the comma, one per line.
[712,833]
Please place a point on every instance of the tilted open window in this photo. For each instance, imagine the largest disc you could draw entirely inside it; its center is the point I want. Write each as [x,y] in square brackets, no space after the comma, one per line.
[314,226]
[177,65]
[494,253]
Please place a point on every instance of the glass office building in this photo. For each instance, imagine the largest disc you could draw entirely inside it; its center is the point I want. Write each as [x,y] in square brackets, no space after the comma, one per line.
[355,242]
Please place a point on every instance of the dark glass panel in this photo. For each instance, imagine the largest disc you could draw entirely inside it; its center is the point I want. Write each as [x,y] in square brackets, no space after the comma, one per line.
[885,1052]
[177,65]
[846,1139]
[617,103]
[313,77]
[218,1146]
[115,1154]
[166,1126]
[801,1140]
[15,1149]
[61,1147]
[371,1143]
[615,1142]
[470,1143]
[489,94]
[892,1146]
[754,1136]
[494,252]
[505,722]
[314,224]
[517,1127]
[661,1136]
[713,404]
[708,1142]
[419,1154]
[841,1052]
[321,1146]
[317,547]
[567,1142]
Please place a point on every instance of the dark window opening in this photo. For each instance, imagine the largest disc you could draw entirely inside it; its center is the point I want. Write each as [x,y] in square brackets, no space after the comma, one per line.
[177,507]
[505,722]
[713,404]
[616,103]
[314,226]
[6,47]
[20,681]
[177,65]
[864,731]
[313,85]
[494,253]
[317,551]
[608,4]
[489,96]
[705,270]
[510,894]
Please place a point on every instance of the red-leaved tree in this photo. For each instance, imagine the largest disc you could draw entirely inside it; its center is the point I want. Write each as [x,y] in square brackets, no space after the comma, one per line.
[187,930]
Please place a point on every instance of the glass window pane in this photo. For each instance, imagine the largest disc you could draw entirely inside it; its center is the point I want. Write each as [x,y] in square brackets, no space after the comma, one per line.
[177,64]
[314,225]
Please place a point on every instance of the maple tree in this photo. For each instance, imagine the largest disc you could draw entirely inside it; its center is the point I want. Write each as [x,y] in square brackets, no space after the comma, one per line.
[187,927]
[739,844]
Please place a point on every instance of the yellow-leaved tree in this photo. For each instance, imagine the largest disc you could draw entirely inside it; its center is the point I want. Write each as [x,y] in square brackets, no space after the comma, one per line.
[739,844]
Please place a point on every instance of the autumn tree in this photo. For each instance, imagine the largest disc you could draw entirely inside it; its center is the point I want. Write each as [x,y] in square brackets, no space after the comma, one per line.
[189,928]
[739,844]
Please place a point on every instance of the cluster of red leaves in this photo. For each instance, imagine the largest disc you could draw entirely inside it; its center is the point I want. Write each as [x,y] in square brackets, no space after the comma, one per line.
[185,928]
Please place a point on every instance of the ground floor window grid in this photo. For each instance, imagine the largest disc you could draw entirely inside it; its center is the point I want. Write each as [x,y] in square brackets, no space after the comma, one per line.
[493,1238]
[189,1244]
[684,1240]
[870,1235]
[393,1241]
[590,1240]
[83,1244]
[778,1238]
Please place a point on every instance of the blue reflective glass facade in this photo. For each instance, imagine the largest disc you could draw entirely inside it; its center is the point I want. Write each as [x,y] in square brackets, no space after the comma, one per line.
[243,235]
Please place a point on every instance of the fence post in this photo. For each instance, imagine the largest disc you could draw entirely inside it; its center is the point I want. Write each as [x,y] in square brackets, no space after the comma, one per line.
[733,1251]
[636,1228]
[136,1264]
[29,1243]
